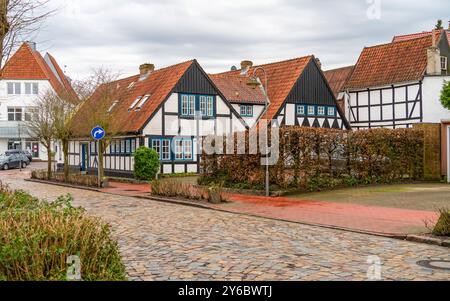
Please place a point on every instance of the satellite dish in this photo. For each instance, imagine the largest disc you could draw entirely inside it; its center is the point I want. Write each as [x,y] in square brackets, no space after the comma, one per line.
[234,68]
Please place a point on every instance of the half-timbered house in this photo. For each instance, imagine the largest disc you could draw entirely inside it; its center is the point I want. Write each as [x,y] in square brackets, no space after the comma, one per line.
[297,89]
[169,110]
[398,84]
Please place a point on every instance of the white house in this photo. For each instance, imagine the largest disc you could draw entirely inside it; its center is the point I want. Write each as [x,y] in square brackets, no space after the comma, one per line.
[24,77]
[169,110]
[398,84]
[298,92]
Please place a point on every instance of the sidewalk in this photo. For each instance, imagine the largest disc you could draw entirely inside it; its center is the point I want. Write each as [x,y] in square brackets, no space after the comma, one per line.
[361,218]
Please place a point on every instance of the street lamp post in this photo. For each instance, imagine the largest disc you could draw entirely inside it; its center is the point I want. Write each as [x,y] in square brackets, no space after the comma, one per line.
[256,82]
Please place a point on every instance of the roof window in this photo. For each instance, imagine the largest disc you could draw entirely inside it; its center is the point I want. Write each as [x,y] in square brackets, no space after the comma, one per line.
[143,101]
[114,104]
[134,103]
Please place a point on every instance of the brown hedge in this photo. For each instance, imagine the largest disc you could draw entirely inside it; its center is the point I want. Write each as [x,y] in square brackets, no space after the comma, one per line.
[313,158]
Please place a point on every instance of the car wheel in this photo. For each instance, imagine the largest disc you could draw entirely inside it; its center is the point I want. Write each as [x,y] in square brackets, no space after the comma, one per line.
[5,167]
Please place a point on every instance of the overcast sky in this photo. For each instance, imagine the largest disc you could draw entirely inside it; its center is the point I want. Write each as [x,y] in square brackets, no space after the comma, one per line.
[122,34]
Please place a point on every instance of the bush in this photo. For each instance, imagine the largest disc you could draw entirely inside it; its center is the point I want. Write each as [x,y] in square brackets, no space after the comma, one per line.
[173,189]
[445,95]
[146,164]
[74,179]
[442,227]
[317,158]
[37,238]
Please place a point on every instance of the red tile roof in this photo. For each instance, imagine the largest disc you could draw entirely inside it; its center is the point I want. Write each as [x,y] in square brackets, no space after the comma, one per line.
[282,77]
[236,90]
[391,63]
[407,37]
[159,85]
[338,78]
[27,64]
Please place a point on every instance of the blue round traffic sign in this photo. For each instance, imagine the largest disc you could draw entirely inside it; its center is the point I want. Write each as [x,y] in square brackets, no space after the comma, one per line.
[98,133]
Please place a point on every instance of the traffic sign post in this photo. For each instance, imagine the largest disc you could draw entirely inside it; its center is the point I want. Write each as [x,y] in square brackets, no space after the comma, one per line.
[98,133]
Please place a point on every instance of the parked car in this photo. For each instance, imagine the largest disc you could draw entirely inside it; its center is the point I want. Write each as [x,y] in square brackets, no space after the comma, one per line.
[13,160]
[24,153]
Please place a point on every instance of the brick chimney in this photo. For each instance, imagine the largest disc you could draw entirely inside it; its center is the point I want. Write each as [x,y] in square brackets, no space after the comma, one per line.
[146,68]
[434,57]
[32,45]
[246,64]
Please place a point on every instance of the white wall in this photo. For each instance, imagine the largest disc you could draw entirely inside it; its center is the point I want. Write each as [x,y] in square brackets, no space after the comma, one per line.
[250,121]
[432,109]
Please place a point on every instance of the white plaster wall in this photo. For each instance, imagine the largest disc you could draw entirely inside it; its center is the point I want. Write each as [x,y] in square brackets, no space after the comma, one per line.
[290,114]
[433,110]
[154,127]
[250,121]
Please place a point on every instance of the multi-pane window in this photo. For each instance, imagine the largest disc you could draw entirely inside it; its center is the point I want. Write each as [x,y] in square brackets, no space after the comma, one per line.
[187,149]
[179,149]
[300,110]
[185,105]
[133,145]
[201,103]
[331,111]
[122,146]
[444,62]
[127,146]
[246,110]
[165,153]
[15,114]
[31,88]
[156,145]
[321,111]
[14,88]
[311,110]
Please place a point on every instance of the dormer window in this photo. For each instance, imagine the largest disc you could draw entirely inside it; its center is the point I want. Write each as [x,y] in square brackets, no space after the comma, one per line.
[142,102]
[113,106]
[444,63]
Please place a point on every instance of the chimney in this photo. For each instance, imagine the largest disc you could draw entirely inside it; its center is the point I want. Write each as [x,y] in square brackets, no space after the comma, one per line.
[319,63]
[433,57]
[246,64]
[146,68]
[32,45]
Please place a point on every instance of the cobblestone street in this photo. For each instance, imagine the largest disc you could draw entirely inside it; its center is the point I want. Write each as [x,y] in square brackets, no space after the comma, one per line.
[171,242]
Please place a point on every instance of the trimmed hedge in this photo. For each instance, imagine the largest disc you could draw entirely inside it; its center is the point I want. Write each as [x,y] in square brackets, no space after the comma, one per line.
[74,178]
[146,164]
[316,158]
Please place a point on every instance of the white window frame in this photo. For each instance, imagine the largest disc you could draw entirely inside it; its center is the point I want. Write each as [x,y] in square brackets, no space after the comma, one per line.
[114,104]
[16,88]
[185,105]
[313,110]
[187,150]
[301,110]
[134,103]
[210,106]
[35,88]
[15,112]
[28,88]
[321,111]
[444,63]
[331,111]
[143,101]
[165,150]
[191,107]
[178,149]
[203,108]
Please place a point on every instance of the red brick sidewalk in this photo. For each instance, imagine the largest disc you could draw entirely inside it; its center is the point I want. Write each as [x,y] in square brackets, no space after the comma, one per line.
[356,217]
[381,220]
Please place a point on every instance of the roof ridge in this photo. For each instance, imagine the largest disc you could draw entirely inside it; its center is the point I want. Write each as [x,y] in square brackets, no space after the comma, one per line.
[335,69]
[402,41]
[268,64]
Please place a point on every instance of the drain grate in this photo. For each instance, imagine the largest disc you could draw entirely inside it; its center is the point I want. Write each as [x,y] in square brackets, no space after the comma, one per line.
[435,264]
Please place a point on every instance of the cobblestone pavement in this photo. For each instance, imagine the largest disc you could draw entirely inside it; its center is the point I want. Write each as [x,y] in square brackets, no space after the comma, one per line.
[161,241]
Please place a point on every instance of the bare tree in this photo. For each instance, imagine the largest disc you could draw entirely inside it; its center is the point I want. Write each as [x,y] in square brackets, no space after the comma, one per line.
[19,20]
[99,94]
[42,124]
[64,109]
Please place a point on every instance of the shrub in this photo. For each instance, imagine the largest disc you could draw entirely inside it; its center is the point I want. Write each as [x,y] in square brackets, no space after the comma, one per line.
[445,95]
[173,188]
[37,238]
[442,227]
[146,164]
[317,158]
[75,178]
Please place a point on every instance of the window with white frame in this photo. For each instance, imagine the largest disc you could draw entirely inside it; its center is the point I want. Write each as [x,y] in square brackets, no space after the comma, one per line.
[187,149]
[122,146]
[15,114]
[300,110]
[31,88]
[14,88]
[128,146]
[35,88]
[331,111]
[311,110]
[133,145]
[321,110]
[156,146]
[165,154]
[210,106]
[191,105]
[444,62]
[134,103]
[203,105]
[246,110]
[178,149]
[142,102]
[113,105]
[185,105]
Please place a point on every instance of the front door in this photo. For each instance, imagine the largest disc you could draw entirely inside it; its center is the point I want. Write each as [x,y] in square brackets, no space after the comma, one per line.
[33,148]
[84,157]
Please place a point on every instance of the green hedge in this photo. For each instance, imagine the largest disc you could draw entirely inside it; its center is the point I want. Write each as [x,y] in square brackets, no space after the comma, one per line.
[146,164]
